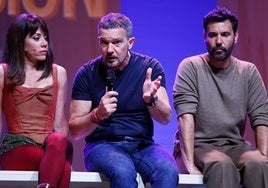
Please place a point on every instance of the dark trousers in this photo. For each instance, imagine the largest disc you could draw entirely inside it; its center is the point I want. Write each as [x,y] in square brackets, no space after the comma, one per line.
[226,164]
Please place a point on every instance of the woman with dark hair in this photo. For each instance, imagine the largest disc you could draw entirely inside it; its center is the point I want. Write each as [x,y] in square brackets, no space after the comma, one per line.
[33,95]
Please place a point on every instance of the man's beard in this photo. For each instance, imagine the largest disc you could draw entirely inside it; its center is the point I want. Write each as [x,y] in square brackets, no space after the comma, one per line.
[225,54]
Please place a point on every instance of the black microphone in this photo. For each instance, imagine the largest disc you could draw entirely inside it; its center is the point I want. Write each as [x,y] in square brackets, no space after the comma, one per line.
[110,78]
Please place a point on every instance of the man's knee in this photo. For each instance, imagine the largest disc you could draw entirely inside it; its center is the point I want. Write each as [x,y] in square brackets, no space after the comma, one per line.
[256,165]
[169,167]
[221,167]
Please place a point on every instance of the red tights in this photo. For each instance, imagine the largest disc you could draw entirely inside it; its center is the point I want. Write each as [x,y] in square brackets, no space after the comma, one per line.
[53,162]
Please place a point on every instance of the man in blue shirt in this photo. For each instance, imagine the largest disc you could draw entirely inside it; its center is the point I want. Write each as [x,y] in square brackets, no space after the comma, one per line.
[114,99]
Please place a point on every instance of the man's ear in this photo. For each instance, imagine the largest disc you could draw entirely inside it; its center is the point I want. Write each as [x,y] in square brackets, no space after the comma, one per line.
[204,36]
[131,42]
[236,37]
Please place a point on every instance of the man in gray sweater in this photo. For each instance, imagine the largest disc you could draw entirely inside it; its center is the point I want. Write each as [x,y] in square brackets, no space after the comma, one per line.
[213,94]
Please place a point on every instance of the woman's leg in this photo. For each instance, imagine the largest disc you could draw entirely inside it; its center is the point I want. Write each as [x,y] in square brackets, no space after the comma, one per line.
[54,169]
[25,157]
[65,180]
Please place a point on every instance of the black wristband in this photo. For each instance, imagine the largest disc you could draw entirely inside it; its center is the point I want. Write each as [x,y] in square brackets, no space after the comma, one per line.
[153,102]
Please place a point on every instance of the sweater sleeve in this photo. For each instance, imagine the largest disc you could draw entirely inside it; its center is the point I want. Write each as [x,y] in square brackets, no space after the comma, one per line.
[185,93]
[257,99]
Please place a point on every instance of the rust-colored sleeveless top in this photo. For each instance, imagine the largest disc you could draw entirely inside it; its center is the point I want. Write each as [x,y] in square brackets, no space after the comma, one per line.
[30,111]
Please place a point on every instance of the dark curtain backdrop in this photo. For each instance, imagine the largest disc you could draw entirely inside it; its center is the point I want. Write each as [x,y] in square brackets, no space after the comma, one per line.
[168,30]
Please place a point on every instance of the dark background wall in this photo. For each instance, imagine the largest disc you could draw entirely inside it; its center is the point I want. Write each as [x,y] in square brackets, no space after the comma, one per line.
[167,30]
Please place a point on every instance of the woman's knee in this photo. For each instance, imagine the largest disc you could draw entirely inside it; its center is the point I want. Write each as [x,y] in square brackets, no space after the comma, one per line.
[57,140]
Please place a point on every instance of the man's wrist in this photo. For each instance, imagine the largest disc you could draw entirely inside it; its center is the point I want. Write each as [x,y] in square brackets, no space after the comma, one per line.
[153,101]
[94,117]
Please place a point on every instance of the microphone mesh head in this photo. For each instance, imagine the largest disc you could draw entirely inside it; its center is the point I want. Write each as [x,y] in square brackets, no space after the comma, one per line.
[110,74]
[110,78]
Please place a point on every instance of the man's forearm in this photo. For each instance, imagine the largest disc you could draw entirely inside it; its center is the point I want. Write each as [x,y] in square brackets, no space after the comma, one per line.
[262,139]
[187,141]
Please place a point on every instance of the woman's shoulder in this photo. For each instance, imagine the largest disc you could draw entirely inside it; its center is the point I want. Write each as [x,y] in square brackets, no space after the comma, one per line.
[61,73]
[59,68]
[3,68]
